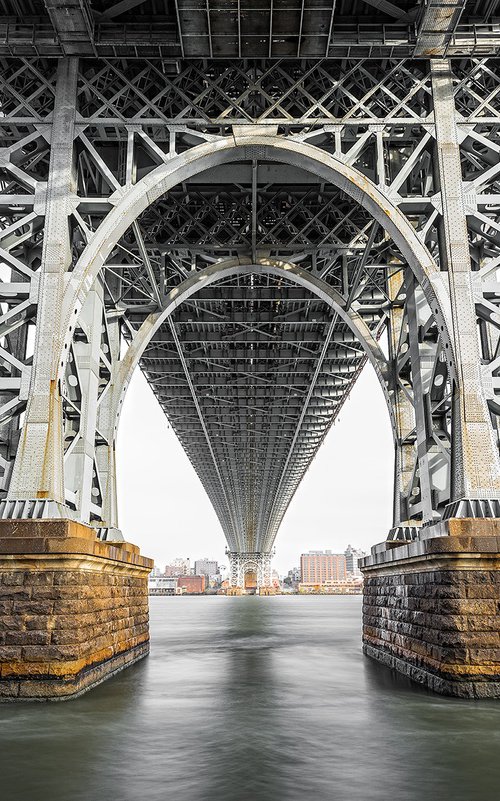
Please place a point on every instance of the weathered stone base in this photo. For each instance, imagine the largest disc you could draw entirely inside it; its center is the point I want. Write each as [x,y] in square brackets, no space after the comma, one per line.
[45,688]
[432,681]
[73,610]
[431,608]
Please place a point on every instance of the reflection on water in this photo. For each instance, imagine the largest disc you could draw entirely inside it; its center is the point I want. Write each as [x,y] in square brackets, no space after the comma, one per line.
[252,699]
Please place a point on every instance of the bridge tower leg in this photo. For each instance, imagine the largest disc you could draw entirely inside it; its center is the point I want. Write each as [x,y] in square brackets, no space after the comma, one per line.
[73,608]
[431,605]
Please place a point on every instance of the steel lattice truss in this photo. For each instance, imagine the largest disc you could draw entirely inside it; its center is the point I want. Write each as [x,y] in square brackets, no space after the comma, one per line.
[250,287]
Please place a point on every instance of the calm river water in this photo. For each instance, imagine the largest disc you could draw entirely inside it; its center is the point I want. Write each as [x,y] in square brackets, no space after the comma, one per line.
[252,699]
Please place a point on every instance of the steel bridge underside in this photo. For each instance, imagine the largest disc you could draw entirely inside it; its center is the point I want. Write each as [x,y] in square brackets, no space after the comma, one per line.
[253,368]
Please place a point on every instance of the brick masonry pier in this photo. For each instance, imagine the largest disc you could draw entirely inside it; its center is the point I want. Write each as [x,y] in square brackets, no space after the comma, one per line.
[431,608]
[73,609]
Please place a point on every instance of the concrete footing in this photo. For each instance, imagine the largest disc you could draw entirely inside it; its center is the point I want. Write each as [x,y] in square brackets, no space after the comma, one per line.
[73,609]
[431,608]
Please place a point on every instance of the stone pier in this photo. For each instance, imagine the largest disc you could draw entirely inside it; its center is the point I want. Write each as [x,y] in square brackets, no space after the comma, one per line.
[431,608]
[73,609]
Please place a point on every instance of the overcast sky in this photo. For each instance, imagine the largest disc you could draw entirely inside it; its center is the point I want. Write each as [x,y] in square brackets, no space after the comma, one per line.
[345,497]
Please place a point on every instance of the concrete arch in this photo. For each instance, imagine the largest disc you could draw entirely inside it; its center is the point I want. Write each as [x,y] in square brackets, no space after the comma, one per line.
[228,268]
[159,181]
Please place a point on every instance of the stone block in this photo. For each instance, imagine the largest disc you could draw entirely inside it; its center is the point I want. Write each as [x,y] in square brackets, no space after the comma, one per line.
[39,579]
[484,656]
[33,606]
[10,653]
[71,636]
[11,622]
[73,606]
[486,591]
[17,592]
[9,690]
[22,545]
[484,623]
[37,690]
[38,622]
[11,579]
[27,637]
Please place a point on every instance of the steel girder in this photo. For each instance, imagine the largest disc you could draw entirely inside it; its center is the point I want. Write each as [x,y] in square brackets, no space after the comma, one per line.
[109,206]
[233,30]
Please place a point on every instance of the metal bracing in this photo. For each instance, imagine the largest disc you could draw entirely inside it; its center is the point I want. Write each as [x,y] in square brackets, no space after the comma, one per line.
[245,231]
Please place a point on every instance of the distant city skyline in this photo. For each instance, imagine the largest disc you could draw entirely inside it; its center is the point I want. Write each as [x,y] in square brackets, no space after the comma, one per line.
[345,497]
[175,560]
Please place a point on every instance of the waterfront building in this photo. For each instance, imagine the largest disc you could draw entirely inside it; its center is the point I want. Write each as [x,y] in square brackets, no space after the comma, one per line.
[291,580]
[352,557]
[208,568]
[352,585]
[275,581]
[178,567]
[322,567]
[162,585]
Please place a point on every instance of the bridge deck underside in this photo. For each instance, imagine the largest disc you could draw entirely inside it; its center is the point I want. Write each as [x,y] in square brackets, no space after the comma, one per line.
[253,370]
[264,387]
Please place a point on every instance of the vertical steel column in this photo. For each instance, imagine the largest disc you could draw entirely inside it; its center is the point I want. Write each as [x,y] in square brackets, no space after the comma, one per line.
[264,575]
[38,469]
[420,398]
[475,456]
[404,414]
[106,451]
[87,354]
[234,569]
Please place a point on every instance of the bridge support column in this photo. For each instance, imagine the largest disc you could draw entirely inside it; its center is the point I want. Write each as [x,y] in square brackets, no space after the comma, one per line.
[475,455]
[431,607]
[73,609]
[39,466]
